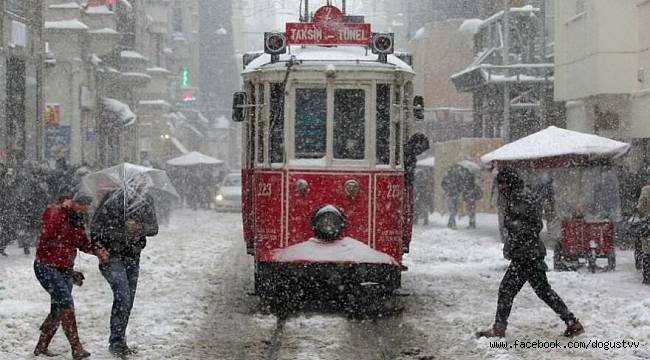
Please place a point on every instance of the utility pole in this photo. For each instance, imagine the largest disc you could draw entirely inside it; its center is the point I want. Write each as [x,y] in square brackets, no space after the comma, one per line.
[505,132]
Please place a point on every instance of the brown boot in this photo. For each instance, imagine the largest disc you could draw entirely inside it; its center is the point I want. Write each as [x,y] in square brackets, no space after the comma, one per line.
[48,329]
[495,331]
[69,324]
[573,328]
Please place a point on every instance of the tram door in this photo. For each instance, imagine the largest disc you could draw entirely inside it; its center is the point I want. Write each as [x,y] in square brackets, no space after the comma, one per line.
[248,212]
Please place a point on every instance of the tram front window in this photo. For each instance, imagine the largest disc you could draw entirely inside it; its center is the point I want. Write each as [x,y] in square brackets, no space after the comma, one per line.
[311,123]
[349,124]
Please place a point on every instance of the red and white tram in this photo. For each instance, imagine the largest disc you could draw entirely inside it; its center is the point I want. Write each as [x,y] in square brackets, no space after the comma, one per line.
[325,114]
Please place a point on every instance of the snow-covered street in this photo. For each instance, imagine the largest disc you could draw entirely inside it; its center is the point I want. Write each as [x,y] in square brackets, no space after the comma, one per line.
[193,303]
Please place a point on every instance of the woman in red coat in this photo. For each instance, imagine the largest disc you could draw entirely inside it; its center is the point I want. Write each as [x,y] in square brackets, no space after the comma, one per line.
[62,233]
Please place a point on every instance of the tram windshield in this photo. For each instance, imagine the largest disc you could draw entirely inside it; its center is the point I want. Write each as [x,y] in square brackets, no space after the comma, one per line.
[311,123]
[349,124]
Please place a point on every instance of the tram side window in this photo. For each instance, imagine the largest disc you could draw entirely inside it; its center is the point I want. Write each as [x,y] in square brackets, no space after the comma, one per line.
[383,124]
[251,124]
[349,124]
[277,123]
[311,123]
[261,130]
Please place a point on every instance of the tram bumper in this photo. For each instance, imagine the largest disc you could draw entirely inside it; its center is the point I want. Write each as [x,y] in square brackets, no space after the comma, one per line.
[324,279]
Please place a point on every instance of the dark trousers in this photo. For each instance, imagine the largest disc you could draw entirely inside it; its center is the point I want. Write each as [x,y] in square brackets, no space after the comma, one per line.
[532,271]
[122,275]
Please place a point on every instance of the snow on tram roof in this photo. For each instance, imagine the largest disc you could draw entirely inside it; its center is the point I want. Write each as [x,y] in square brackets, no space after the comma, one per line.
[320,55]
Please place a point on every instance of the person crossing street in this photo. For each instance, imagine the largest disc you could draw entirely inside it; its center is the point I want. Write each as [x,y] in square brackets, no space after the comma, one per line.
[526,252]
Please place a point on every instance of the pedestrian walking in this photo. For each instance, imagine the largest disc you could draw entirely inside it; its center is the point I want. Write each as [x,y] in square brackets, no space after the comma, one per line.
[472,193]
[526,252]
[452,186]
[62,233]
[123,220]
[423,197]
[643,207]
[416,145]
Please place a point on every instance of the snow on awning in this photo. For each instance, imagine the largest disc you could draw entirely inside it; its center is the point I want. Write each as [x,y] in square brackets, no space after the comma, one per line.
[122,110]
[554,142]
[130,54]
[427,162]
[194,158]
[74,24]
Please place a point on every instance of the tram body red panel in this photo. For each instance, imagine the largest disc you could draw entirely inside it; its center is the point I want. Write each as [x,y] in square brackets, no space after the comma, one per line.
[388,214]
[327,189]
[248,215]
[283,214]
[268,195]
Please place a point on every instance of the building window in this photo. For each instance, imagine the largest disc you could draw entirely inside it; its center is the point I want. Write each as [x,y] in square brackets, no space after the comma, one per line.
[177,20]
[606,120]
[16,6]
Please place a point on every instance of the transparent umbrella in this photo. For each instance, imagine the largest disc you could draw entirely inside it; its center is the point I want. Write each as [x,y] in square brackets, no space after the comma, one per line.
[130,182]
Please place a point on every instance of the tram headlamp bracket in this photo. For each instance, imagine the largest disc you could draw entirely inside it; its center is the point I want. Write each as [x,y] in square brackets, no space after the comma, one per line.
[275,43]
[383,44]
[328,223]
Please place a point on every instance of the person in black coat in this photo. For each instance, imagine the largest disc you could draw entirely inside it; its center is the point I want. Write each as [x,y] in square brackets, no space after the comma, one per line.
[121,223]
[526,252]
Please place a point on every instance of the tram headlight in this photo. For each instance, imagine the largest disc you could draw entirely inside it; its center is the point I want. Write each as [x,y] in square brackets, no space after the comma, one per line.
[328,223]
[219,197]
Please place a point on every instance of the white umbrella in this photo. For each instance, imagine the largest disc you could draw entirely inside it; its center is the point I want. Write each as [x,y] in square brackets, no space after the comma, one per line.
[194,158]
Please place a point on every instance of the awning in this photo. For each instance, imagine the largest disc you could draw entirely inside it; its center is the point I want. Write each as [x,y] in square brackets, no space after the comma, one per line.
[121,110]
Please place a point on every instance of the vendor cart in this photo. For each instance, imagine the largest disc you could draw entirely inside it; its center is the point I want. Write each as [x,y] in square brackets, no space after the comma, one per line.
[571,172]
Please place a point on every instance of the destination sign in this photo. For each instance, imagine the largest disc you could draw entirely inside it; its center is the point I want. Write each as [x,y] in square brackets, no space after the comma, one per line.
[328,28]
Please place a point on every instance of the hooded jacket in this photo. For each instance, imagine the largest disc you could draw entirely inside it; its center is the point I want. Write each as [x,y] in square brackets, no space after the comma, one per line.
[60,238]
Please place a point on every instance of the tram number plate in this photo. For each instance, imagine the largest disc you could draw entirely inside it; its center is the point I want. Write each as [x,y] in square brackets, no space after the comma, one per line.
[264,189]
[394,191]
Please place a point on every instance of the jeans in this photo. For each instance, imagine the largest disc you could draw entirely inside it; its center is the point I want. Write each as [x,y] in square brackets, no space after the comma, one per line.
[122,275]
[534,272]
[57,283]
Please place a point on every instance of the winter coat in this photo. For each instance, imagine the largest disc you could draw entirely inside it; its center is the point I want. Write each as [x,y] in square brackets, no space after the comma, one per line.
[60,238]
[108,228]
[643,207]
[452,184]
[523,221]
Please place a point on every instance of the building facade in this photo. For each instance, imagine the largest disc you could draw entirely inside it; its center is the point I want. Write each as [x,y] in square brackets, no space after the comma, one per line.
[602,59]
[21,100]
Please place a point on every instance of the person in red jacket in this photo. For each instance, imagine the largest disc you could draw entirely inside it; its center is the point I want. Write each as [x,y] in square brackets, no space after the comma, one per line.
[62,233]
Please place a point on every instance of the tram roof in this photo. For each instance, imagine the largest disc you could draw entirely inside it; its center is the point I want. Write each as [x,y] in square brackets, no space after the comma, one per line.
[320,55]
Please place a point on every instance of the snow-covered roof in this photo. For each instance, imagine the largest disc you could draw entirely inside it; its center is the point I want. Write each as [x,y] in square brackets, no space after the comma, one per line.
[74,24]
[318,55]
[554,142]
[69,5]
[471,26]
[137,74]
[122,110]
[130,54]
[524,10]
[158,102]
[106,31]
[194,158]
[99,10]
[158,70]
[346,250]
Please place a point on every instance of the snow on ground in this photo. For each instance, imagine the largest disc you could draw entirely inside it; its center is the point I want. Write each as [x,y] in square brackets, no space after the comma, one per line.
[175,266]
[192,303]
[463,269]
